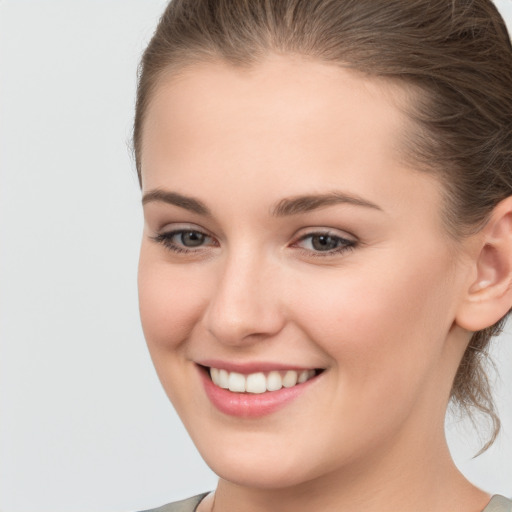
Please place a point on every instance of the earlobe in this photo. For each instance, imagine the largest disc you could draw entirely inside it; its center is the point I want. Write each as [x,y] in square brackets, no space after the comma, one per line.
[489,294]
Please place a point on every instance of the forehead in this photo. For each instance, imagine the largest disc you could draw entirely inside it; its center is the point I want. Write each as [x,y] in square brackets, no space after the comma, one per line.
[284,126]
[301,99]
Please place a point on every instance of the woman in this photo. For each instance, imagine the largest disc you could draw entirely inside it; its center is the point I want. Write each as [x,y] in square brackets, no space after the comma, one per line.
[327,190]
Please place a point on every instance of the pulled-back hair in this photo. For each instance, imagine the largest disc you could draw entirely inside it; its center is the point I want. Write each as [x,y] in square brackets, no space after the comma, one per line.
[455,54]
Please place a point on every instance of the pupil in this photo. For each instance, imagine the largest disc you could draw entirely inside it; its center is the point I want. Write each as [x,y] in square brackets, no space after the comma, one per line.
[192,238]
[324,242]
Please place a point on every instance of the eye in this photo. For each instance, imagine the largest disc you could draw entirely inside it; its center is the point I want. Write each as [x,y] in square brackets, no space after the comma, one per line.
[324,244]
[191,238]
[184,240]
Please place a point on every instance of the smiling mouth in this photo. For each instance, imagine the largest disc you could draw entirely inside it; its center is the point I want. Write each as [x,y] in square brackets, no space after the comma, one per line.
[259,382]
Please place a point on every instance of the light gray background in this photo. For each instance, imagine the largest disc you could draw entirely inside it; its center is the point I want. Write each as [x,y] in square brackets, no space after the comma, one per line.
[84,424]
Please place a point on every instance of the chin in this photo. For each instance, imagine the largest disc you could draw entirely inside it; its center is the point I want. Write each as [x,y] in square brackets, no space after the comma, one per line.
[269,475]
[259,461]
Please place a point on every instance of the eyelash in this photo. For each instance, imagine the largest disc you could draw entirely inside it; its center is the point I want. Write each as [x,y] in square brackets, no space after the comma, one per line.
[344,245]
[165,239]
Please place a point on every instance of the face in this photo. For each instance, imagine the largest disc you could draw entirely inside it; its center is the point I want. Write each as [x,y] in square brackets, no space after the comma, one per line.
[289,247]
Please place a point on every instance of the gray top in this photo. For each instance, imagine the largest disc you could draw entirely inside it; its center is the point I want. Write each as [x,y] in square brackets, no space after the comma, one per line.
[188,505]
[497,504]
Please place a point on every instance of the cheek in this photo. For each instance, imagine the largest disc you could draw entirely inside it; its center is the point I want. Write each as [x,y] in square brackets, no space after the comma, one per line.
[370,321]
[170,303]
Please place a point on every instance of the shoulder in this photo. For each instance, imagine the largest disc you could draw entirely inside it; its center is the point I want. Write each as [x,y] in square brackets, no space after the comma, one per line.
[188,505]
[499,504]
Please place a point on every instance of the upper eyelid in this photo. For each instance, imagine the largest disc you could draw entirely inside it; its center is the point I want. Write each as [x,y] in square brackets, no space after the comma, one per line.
[343,235]
[173,232]
[170,229]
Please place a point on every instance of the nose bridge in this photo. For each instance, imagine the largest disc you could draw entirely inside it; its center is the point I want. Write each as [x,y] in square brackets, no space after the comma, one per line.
[244,305]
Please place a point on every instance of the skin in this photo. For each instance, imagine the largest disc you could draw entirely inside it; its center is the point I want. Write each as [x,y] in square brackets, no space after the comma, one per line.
[381,318]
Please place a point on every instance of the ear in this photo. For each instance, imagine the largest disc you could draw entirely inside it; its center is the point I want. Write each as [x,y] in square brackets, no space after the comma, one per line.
[489,292]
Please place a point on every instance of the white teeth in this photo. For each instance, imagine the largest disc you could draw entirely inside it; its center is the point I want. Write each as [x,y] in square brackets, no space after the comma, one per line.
[274,381]
[214,374]
[236,382]
[259,382]
[303,376]
[290,379]
[256,383]
[223,381]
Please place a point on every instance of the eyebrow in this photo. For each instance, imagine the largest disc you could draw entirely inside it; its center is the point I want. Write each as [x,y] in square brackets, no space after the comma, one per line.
[186,202]
[303,204]
[285,207]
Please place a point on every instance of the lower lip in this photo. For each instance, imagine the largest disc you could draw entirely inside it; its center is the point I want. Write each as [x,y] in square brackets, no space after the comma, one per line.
[251,405]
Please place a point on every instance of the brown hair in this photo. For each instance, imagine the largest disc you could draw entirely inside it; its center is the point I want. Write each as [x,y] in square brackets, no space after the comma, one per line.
[455,53]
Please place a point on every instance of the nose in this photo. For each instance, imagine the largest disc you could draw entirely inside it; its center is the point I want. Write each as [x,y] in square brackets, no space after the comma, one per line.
[245,304]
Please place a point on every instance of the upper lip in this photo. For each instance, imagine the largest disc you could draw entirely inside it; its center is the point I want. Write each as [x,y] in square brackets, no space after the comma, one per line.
[247,368]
